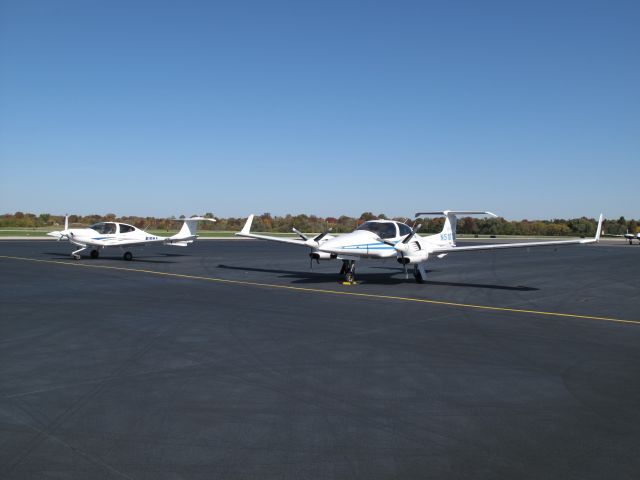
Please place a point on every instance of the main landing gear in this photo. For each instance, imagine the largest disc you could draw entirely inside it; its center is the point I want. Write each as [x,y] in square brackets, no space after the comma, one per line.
[349,271]
[128,256]
[419,274]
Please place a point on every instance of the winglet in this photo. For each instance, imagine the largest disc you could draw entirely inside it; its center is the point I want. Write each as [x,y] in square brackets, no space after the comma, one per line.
[599,230]
[247,226]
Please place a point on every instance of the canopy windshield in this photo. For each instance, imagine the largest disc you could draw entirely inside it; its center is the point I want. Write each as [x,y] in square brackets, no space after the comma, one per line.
[104,227]
[381,229]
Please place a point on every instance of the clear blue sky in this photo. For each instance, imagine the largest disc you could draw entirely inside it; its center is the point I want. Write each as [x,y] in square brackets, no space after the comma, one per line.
[529,109]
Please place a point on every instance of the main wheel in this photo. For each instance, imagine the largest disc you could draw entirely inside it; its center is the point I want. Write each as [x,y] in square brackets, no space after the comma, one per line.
[128,256]
[349,277]
[95,253]
[418,276]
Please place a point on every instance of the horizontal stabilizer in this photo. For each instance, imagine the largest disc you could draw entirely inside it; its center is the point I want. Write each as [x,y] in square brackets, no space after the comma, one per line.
[208,219]
[456,212]
[181,243]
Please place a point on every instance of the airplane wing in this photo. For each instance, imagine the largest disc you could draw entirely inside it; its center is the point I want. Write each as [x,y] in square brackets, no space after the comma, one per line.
[246,232]
[500,246]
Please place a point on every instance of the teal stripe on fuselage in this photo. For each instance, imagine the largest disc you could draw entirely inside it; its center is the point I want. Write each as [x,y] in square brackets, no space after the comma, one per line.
[368,246]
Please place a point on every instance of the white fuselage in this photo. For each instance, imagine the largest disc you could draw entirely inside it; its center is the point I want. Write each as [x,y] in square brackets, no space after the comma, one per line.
[124,236]
[105,234]
[366,241]
[360,243]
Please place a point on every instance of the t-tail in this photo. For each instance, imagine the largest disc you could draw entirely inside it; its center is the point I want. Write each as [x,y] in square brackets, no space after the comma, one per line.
[188,232]
[448,234]
[60,234]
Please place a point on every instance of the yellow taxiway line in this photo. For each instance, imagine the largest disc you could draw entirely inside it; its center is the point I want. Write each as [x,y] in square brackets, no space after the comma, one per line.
[326,291]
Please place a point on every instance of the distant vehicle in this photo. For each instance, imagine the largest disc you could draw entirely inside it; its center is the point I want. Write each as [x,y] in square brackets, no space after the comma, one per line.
[629,236]
[115,234]
[387,239]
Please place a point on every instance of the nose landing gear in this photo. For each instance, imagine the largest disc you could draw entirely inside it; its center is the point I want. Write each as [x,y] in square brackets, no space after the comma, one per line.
[76,254]
[419,273]
[349,271]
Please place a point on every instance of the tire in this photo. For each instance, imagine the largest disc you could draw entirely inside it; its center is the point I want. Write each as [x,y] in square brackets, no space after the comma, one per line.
[95,253]
[128,256]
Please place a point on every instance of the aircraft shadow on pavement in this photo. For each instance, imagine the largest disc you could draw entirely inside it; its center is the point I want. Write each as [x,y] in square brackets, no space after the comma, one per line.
[320,277]
[144,259]
[377,278]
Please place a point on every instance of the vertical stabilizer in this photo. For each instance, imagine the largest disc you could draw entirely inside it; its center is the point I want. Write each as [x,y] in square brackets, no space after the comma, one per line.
[448,234]
[190,228]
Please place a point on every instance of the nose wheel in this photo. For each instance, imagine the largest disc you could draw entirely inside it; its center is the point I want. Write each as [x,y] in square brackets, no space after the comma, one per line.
[348,270]
[95,253]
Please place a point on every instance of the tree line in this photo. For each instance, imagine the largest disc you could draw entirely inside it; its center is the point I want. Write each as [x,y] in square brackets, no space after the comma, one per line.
[311,223]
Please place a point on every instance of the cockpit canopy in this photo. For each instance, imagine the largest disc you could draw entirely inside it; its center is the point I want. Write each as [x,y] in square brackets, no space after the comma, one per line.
[104,228]
[385,229]
[111,228]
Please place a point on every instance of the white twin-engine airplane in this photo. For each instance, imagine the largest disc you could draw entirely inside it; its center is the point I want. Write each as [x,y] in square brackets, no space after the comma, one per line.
[387,239]
[114,234]
[630,237]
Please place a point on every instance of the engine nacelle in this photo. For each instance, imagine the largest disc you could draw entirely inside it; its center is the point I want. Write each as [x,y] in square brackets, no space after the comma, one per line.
[417,257]
[322,256]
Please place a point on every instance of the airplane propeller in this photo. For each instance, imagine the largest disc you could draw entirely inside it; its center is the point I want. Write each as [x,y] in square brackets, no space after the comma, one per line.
[317,239]
[402,246]
[302,235]
[312,242]
[413,232]
[322,235]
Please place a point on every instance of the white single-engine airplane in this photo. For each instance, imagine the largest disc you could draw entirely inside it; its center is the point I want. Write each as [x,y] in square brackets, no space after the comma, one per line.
[388,238]
[115,234]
